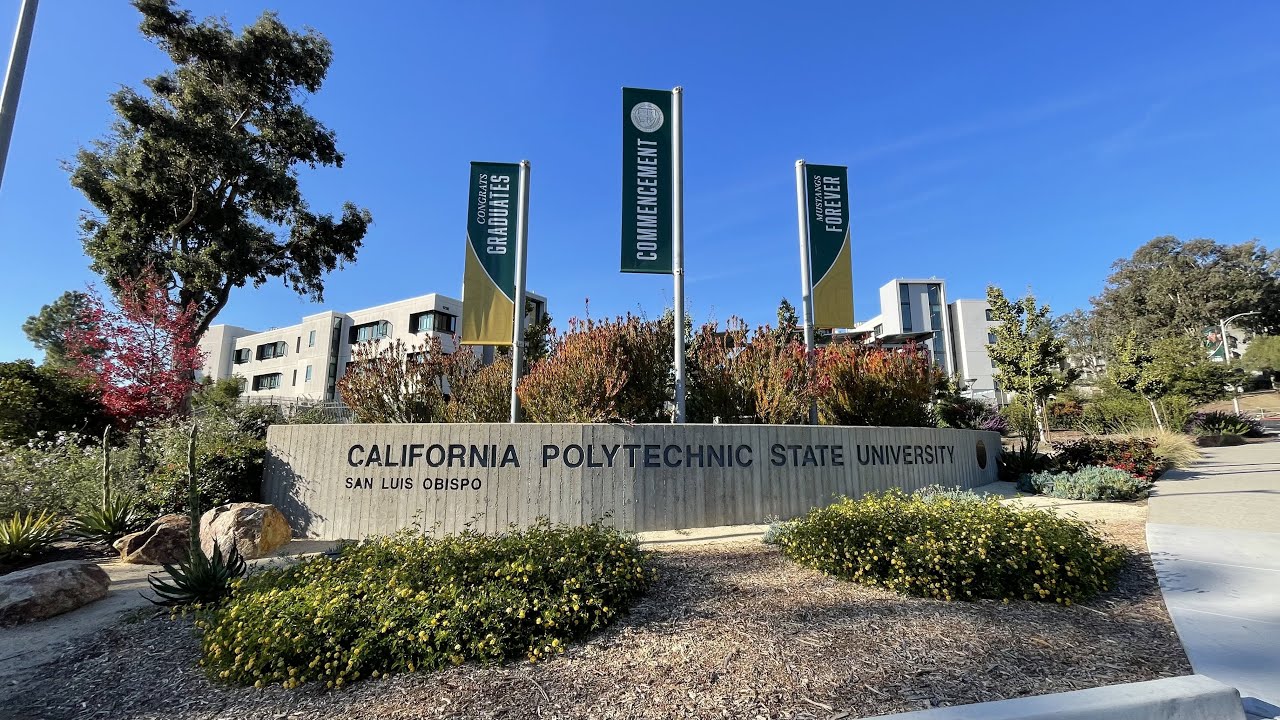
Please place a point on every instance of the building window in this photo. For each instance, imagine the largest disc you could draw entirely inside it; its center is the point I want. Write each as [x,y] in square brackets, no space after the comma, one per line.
[904,292]
[298,347]
[877,331]
[935,309]
[306,376]
[415,358]
[991,338]
[331,372]
[243,355]
[266,382]
[432,321]
[989,318]
[272,350]
[311,339]
[295,372]
[370,331]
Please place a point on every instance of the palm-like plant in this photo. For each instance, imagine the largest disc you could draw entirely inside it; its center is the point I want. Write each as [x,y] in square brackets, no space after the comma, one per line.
[110,521]
[27,534]
[199,579]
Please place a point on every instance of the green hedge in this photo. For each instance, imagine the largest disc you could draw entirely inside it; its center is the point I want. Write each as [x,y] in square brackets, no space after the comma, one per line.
[408,603]
[954,549]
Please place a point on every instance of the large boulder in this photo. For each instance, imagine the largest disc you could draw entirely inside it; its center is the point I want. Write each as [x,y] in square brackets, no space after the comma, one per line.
[165,542]
[50,589]
[255,529]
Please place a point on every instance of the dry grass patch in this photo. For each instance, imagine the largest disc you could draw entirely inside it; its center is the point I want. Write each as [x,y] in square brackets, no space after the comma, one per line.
[729,630]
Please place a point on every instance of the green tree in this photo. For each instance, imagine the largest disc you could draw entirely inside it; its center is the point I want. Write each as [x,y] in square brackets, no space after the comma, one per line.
[48,329]
[1180,363]
[46,398]
[538,334]
[1263,354]
[1028,353]
[220,396]
[1174,287]
[1133,367]
[1082,334]
[537,337]
[197,180]
[788,328]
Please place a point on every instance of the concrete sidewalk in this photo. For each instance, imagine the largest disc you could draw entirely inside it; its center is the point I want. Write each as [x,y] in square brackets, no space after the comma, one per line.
[1214,536]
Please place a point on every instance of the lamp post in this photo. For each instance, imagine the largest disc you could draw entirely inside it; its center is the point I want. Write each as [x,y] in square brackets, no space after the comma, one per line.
[13,77]
[1226,354]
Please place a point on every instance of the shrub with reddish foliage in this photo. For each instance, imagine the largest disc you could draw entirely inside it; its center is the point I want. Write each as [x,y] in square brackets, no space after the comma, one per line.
[141,357]
[762,379]
[397,383]
[873,385]
[1135,456]
[602,370]
[391,382]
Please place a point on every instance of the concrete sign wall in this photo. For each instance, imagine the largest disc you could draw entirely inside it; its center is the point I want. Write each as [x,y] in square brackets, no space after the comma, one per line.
[352,481]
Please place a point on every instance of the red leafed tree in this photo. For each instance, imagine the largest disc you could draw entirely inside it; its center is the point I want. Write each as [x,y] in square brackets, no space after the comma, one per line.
[141,356]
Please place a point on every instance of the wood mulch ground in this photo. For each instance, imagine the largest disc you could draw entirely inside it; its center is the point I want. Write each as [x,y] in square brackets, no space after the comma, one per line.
[730,630]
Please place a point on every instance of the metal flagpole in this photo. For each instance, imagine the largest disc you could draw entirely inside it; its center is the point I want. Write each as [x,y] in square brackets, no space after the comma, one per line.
[13,78]
[806,286]
[522,242]
[677,238]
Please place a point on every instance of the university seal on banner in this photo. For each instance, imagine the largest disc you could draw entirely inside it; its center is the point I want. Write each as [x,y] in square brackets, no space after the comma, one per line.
[646,116]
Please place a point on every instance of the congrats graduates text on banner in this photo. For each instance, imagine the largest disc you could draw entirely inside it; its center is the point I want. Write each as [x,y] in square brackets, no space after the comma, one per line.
[489,277]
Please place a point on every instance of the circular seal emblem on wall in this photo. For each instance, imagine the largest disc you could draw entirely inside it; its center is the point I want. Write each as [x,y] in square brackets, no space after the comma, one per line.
[982,455]
[646,116]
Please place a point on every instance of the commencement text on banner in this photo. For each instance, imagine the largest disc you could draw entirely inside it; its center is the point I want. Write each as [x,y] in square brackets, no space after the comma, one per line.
[646,181]
[830,256]
[489,277]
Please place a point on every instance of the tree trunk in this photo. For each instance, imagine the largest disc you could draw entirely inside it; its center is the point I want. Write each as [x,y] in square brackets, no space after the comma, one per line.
[1155,413]
[1043,410]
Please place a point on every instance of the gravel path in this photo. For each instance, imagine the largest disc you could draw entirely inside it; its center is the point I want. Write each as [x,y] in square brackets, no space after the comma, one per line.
[730,630]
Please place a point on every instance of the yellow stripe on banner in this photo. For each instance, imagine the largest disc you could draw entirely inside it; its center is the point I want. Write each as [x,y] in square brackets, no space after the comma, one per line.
[487,313]
[833,294]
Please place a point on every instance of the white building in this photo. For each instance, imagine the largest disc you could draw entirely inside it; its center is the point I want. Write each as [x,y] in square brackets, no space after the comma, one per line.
[971,334]
[956,333]
[307,360]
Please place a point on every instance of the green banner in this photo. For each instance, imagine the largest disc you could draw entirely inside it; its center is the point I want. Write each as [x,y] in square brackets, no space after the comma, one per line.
[646,181]
[830,254]
[489,275]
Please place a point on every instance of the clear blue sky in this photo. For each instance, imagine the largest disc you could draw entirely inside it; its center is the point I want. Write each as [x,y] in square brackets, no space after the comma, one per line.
[1010,143]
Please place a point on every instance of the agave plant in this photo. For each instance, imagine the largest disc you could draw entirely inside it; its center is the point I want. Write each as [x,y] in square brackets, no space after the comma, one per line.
[25,535]
[110,521]
[199,579]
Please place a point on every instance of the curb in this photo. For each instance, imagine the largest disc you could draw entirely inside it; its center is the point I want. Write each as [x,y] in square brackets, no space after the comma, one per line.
[1193,697]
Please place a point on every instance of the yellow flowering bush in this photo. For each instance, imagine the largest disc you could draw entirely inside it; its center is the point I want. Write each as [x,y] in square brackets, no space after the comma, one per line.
[409,603]
[954,549]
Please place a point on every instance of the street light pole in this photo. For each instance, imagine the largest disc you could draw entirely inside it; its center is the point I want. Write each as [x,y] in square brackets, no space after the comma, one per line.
[1226,354]
[13,77]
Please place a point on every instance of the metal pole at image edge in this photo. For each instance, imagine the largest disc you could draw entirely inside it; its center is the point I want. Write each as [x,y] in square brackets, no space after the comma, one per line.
[13,77]
[806,288]
[522,243]
[677,238]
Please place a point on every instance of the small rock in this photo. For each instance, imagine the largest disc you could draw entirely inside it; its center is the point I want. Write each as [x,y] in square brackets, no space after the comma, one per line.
[50,589]
[165,542]
[255,529]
